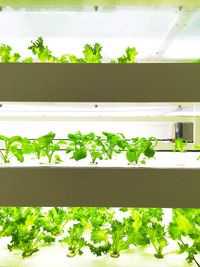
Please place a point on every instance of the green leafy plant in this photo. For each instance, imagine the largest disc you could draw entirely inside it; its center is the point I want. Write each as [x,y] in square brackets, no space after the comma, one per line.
[6,55]
[91,54]
[32,228]
[114,144]
[137,227]
[118,234]
[43,52]
[75,240]
[156,232]
[12,148]
[24,225]
[158,239]
[112,239]
[144,227]
[80,144]
[77,145]
[180,145]
[141,147]
[94,147]
[45,146]
[90,218]
[55,221]
[128,57]
[185,229]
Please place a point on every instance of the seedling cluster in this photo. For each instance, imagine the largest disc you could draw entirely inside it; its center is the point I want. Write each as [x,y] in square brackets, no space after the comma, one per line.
[101,231]
[42,53]
[79,146]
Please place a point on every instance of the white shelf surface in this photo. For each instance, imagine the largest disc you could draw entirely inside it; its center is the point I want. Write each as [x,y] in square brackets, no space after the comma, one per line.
[162,160]
[55,255]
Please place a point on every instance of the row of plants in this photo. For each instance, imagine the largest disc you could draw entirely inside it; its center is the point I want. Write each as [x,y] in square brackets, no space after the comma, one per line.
[102,230]
[42,53]
[79,146]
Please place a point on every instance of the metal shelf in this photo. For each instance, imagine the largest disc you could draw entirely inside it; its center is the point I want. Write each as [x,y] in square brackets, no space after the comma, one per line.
[113,187]
[100,82]
[136,187]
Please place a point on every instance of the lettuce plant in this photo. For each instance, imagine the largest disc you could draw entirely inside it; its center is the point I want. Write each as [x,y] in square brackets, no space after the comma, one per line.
[90,218]
[141,147]
[31,228]
[91,54]
[94,147]
[12,148]
[55,221]
[114,144]
[7,56]
[45,146]
[77,145]
[24,225]
[75,240]
[128,57]
[180,145]
[112,239]
[144,227]
[43,52]
[80,144]
[185,229]
[156,231]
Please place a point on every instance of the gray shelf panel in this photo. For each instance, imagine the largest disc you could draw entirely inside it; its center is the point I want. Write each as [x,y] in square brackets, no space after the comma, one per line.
[99,82]
[113,187]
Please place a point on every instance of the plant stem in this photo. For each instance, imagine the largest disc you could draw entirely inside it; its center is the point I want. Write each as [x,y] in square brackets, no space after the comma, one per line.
[196,261]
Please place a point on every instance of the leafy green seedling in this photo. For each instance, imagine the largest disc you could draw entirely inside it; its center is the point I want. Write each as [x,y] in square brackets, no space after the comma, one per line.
[158,239]
[180,145]
[6,56]
[80,144]
[114,143]
[55,221]
[45,146]
[184,228]
[43,52]
[12,148]
[93,145]
[141,147]
[92,54]
[99,241]
[128,57]
[77,146]
[144,226]
[24,226]
[112,239]
[118,235]
[75,240]
[136,227]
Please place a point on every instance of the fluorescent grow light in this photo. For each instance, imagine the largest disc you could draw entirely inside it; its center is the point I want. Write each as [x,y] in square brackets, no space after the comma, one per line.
[99,109]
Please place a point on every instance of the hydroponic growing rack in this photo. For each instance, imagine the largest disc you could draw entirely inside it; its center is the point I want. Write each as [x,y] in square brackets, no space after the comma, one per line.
[100,186]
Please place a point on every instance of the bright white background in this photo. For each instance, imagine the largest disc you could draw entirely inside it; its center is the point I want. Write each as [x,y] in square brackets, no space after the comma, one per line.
[158,33]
